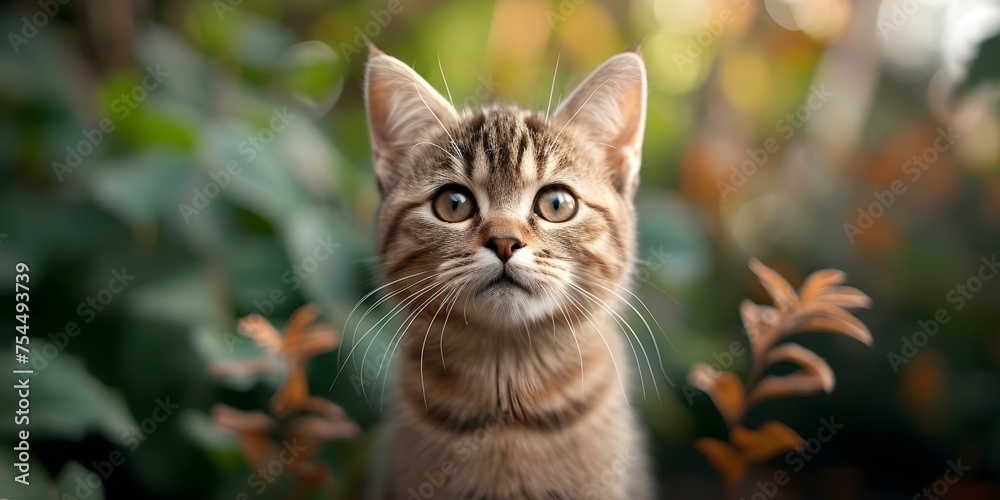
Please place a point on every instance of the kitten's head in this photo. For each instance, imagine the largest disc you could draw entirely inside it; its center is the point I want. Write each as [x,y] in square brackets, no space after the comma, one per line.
[507,213]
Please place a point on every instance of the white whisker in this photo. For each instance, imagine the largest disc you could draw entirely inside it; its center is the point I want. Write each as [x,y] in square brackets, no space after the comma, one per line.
[445,325]
[597,329]
[643,318]
[379,302]
[449,153]
[424,101]
[423,346]
[584,104]
[394,312]
[401,331]
[553,87]
[369,294]
[452,101]
[621,321]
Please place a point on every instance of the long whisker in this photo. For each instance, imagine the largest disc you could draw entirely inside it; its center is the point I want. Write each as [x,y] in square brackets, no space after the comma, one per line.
[584,103]
[450,138]
[635,354]
[445,325]
[357,344]
[386,318]
[651,315]
[653,337]
[423,346]
[398,309]
[524,323]
[449,153]
[354,341]
[369,294]
[580,145]
[595,277]
[622,269]
[618,317]
[379,302]
[452,101]
[572,330]
[401,331]
[597,329]
[553,87]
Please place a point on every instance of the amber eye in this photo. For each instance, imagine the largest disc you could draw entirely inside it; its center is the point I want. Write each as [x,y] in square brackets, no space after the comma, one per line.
[454,204]
[555,204]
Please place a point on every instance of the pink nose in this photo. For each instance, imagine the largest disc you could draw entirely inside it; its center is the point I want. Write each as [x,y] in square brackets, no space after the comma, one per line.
[504,247]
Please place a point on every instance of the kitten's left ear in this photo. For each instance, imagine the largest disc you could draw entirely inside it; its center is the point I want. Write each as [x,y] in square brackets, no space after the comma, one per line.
[610,108]
[401,107]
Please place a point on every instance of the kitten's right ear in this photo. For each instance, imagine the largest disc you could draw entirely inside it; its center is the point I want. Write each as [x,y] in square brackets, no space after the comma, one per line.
[401,106]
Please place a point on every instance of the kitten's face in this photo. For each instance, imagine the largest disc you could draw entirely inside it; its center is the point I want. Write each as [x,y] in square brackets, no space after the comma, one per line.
[501,212]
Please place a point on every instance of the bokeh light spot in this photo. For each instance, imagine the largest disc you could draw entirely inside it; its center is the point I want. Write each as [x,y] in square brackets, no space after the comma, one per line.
[313,74]
[744,79]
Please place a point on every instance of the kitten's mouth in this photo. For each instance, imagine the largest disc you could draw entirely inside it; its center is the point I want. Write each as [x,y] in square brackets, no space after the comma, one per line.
[504,279]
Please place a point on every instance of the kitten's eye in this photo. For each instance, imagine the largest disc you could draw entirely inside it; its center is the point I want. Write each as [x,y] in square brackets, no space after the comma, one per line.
[454,204]
[555,204]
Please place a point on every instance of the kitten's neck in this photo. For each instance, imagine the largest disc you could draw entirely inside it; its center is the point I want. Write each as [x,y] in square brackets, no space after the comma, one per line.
[525,373]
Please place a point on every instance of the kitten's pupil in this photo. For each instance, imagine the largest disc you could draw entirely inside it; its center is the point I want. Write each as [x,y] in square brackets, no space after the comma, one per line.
[456,200]
[555,204]
[454,204]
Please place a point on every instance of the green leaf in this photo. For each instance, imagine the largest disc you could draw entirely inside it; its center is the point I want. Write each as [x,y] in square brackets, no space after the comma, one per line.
[78,481]
[138,188]
[985,68]
[186,299]
[67,402]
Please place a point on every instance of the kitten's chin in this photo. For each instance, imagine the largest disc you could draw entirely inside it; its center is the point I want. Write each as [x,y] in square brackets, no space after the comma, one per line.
[504,300]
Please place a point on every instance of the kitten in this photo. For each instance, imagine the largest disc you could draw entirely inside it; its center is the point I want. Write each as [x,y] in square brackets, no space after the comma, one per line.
[507,236]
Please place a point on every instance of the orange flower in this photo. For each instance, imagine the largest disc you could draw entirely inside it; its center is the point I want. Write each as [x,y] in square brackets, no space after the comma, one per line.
[263,437]
[303,339]
[821,305]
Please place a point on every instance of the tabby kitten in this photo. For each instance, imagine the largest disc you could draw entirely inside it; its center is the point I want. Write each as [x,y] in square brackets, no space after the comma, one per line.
[507,236]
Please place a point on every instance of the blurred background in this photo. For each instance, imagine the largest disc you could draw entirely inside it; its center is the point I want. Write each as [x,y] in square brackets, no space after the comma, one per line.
[167,167]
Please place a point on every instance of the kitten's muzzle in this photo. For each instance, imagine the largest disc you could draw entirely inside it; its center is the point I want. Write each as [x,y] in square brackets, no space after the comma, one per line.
[504,247]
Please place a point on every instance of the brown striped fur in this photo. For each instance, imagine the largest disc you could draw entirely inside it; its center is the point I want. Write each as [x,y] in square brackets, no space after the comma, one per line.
[509,389]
